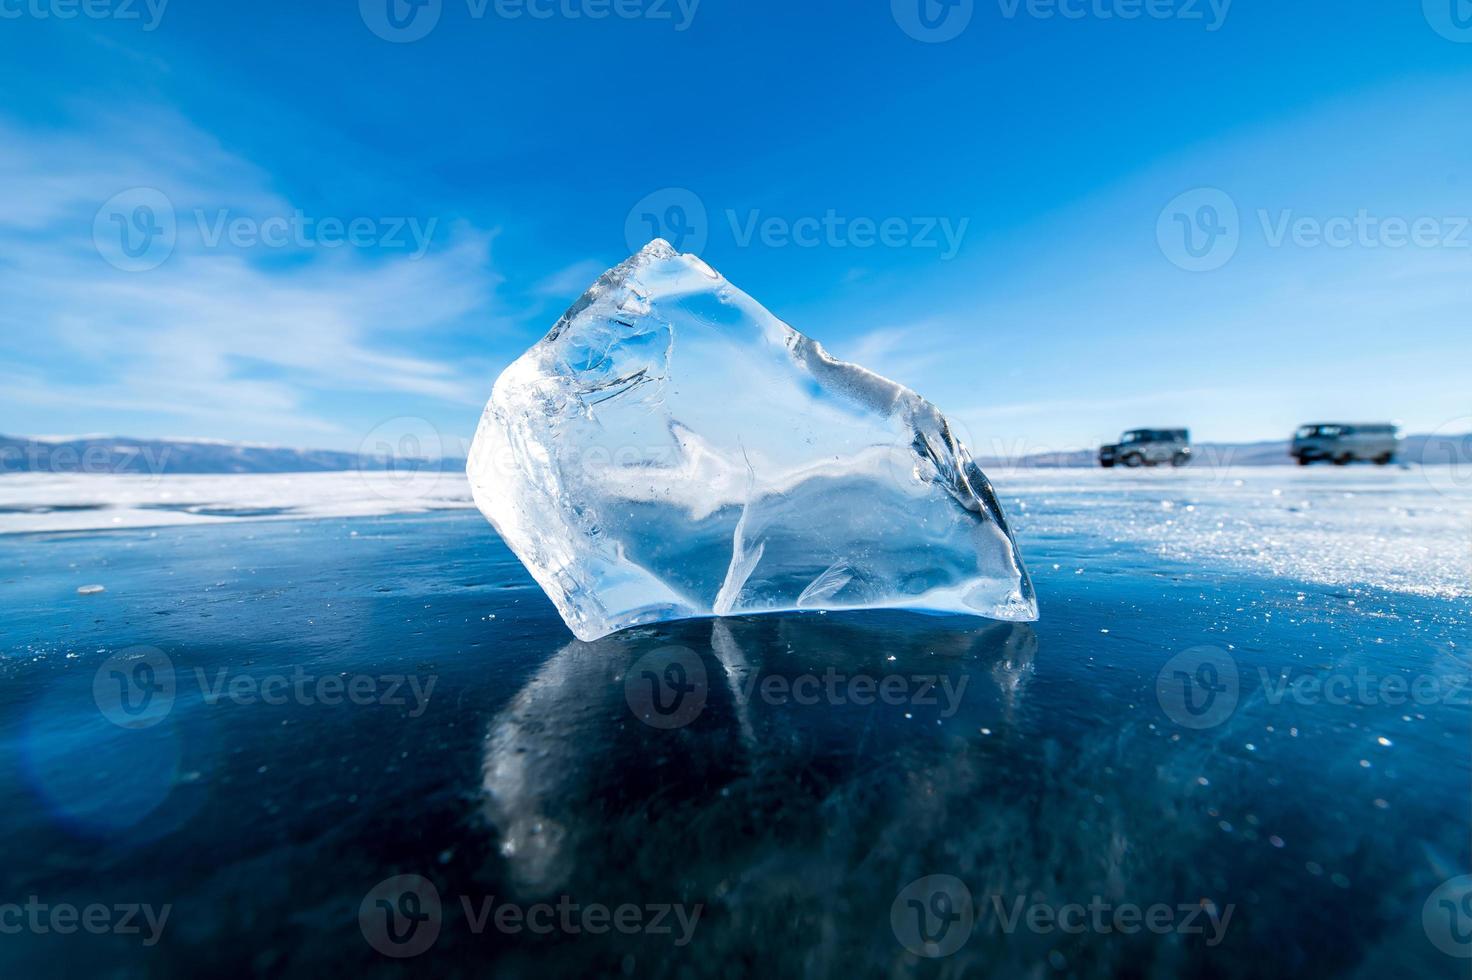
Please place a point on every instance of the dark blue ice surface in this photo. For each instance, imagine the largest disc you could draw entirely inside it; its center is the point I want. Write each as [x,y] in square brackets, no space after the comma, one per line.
[1060,763]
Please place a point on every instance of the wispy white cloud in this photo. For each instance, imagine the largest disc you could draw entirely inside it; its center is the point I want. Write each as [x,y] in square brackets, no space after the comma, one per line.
[570,282]
[248,333]
[908,353]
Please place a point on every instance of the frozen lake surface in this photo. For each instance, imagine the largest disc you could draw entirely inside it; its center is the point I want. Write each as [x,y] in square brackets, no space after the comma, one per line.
[1401,528]
[1245,706]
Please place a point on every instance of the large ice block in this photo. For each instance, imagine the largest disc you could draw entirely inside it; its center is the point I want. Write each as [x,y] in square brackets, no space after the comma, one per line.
[672,450]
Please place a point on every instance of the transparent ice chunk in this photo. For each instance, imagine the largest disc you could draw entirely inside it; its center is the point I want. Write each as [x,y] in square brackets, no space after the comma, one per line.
[673,450]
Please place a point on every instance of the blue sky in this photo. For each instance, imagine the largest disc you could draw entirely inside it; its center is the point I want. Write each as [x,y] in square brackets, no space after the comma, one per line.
[1035,167]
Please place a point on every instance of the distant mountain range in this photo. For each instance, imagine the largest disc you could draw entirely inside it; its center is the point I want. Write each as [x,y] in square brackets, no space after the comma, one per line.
[119,454]
[153,457]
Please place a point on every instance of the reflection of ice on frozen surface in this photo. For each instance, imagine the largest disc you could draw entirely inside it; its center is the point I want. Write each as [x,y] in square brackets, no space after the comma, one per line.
[567,759]
[1015,665]
[672,450]
[1049,788]
[1399,529]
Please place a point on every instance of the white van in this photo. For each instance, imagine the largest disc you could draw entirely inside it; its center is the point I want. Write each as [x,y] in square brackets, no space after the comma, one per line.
[1148,447]
[1341,443]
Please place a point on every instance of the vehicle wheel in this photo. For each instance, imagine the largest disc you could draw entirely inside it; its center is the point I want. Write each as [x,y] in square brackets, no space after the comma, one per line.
[1109,465]
[1180,459]
[1343,460]
[1304,461]
[1134,461]
[1384,459]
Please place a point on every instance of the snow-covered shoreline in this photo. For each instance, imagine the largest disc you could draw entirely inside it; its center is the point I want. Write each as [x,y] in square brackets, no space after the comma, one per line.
[1406,529]
[43,502]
